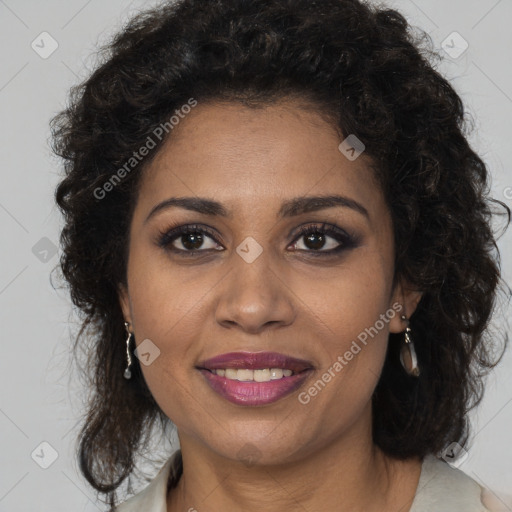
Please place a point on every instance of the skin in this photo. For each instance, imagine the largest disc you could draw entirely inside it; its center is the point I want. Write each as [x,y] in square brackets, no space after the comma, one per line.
[313,457]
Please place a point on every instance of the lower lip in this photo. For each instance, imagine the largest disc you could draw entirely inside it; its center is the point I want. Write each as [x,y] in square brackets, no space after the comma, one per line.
[254,393]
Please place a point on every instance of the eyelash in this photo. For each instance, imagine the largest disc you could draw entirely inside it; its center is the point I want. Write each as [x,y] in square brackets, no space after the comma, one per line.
[166,237]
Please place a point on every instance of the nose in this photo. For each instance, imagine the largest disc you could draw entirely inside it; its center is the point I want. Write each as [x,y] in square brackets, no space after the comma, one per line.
[254,296]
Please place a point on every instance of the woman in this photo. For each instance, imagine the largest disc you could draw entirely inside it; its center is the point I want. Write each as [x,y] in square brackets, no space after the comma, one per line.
[282,240]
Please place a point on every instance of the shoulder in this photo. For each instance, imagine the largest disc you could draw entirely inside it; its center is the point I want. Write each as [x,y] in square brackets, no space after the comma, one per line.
[447,489]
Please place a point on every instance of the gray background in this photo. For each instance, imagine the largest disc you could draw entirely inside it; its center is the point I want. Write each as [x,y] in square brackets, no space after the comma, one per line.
[41,400]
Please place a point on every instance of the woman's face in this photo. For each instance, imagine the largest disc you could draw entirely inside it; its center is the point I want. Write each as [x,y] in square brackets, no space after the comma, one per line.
[255,284]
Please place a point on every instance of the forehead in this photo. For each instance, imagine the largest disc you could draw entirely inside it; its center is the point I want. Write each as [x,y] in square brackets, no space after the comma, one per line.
[250,158]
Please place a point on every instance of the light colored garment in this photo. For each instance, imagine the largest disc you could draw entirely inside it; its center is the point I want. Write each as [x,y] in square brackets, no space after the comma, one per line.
[441,488]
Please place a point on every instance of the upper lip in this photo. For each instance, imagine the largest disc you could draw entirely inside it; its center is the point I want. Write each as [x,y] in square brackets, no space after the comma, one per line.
[255,361]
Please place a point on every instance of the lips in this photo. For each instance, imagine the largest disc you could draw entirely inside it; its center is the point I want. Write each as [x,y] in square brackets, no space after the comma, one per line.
[251,392]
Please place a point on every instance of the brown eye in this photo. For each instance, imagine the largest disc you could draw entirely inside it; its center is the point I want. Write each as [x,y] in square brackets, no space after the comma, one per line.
[326,239]
[192,239]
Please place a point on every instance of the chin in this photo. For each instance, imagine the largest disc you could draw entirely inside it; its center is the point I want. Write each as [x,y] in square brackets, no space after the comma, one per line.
[258,443]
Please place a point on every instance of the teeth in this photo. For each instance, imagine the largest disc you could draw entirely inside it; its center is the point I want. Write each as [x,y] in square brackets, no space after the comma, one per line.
[245,374]
[276,373]
[231,374]
[264,375]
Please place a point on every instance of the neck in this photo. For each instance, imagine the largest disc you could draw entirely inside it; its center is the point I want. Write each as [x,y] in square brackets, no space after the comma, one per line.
[347,474]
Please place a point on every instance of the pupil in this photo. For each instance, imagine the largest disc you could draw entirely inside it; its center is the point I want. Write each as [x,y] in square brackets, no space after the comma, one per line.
[196,238]
[319,237]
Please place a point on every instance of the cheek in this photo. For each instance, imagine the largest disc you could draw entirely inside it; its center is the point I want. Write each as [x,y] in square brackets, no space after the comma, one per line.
[171,377]
[165,311]
[350,298]
[164,298]
[353,315]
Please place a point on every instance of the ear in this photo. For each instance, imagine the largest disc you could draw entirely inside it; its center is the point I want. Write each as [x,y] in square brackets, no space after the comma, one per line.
[408,298]
[124,301]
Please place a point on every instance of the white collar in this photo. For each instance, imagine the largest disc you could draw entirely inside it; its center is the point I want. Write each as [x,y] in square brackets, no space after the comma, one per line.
[153,498]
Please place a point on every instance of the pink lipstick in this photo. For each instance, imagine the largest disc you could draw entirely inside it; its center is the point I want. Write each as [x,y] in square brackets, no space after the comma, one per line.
[254,378]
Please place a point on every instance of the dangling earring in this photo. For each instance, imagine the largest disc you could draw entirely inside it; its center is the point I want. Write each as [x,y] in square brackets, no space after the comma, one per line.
[127,372]
[408,353]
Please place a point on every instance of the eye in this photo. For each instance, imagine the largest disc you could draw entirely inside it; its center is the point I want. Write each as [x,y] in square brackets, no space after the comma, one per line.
[316,239]
[191,238]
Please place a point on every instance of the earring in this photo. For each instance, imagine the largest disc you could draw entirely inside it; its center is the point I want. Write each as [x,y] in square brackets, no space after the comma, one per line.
[408,353]
[127,372]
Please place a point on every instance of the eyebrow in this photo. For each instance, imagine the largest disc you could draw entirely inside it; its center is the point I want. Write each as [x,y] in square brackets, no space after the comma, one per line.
[289,208]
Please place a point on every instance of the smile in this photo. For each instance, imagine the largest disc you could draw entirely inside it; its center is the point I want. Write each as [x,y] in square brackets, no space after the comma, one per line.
[253,379]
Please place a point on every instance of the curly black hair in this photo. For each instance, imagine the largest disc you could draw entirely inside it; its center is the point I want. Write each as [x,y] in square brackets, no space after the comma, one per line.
[372,75]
